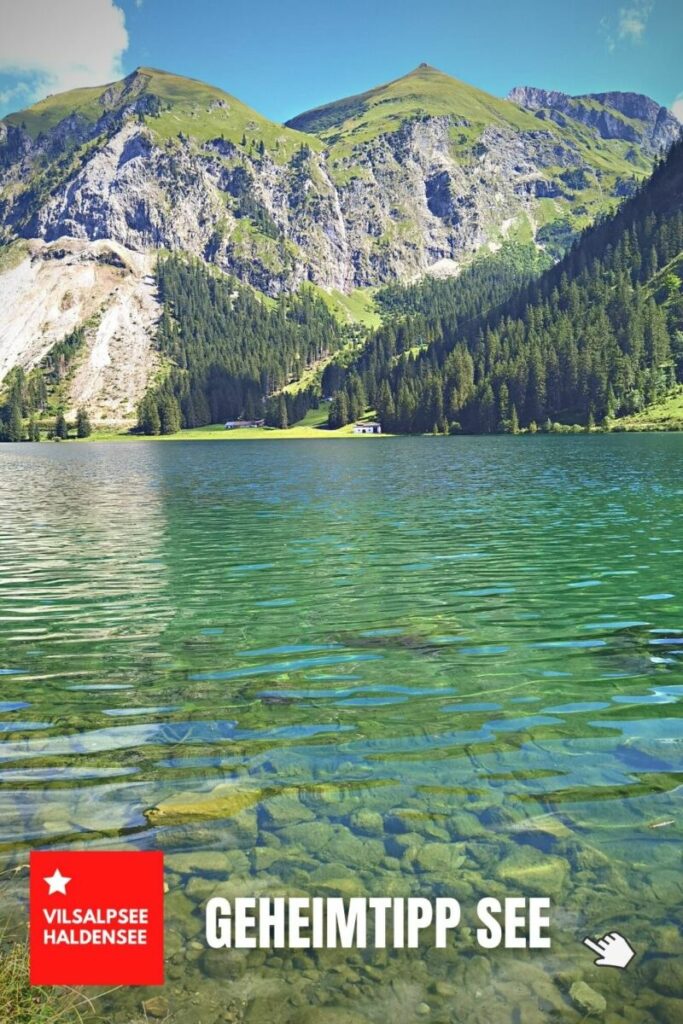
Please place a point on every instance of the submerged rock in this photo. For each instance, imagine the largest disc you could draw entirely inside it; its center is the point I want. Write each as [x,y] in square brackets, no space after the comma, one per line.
[669,1011]
[284,810]
[205,862]
[369,823]
[669,977]
[586,998]
[439,858]
[353,851]
[331,1015]
[529,869]
[223,801]
[157,1007]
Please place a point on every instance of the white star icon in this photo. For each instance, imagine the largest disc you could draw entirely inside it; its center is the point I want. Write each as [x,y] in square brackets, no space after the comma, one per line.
[57,882]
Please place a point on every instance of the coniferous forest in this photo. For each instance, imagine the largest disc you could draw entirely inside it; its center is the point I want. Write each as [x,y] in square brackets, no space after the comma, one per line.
[598,335]
[230,353]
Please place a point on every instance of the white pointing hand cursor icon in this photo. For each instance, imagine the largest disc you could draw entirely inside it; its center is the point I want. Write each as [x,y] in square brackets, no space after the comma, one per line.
[613,950]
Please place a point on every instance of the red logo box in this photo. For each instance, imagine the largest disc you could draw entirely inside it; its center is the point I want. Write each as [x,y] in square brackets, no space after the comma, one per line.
[97,918]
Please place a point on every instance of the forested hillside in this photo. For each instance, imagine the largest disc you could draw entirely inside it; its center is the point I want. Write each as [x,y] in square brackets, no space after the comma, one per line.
[598,335]
[226,350]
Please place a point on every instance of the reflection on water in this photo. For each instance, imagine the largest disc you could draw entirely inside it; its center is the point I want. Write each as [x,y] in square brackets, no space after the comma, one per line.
[418,667]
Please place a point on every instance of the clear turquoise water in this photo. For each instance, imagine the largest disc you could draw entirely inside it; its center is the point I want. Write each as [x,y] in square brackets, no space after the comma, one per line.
[412,667]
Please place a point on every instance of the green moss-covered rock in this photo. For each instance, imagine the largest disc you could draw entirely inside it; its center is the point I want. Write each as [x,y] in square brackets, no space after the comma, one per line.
[587,999]
[397,845]
[669,977]
[312,836]
[367,822]
[669,1011]
[353,850]
[465,826]
[223,801]
[530,870]
[287,809]
[204,862]
[439,858]
[224,963]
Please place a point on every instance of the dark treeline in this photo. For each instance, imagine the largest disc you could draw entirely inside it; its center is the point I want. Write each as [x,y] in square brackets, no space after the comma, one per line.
[487,282]
[597,335]
[230,351]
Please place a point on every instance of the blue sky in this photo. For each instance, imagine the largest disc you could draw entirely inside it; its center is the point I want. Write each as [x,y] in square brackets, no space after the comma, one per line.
[283,57]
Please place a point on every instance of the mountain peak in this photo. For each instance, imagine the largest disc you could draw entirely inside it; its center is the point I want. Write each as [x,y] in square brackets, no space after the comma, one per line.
[425,91]
[628,116]
[169,104]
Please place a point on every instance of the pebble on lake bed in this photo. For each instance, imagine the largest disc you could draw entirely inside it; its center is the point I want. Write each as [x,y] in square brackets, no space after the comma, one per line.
[586,998]
[156,1007]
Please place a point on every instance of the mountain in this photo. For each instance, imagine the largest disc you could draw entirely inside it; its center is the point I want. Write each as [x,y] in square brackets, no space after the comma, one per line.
[425,91]
[411,176]
[416,176]
[152,161]
[595,338]
[174,102]
[489,169]
[626,116]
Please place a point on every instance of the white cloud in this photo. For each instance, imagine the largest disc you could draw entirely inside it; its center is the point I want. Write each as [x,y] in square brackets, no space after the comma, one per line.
[677,107]
[633,20]
[630,25]
[53,45]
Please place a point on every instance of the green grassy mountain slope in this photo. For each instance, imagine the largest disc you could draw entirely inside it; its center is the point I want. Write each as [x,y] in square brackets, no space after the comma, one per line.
[168,104]
[426,90]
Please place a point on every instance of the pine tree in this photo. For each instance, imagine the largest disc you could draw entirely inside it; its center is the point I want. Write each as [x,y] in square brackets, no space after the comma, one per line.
[148,416]
[338,415]
[61,429]
[282,418]
[15,427]
[169,415]
[83,425]
[386,411]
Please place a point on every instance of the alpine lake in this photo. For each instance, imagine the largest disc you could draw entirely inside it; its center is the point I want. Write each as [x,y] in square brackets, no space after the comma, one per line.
[383,667]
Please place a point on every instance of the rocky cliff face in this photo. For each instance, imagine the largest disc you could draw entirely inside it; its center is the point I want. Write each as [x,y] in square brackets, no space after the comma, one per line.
[426,189]
[625,116]
[48,290]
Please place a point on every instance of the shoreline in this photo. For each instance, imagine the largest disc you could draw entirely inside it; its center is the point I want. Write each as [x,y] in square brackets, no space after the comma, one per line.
[220,434]
[197,436]
[307,434]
